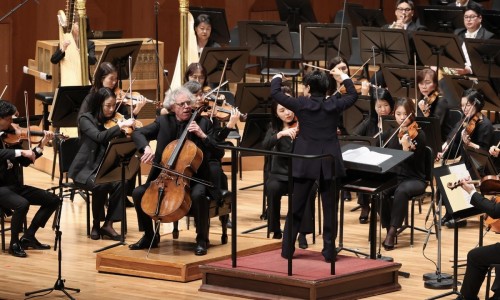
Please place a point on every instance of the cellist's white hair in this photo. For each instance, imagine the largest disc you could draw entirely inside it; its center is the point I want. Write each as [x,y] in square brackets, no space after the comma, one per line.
[171,95]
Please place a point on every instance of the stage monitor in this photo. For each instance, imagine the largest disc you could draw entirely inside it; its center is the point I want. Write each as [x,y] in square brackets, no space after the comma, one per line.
[295,12]
[441,19]
[220,30]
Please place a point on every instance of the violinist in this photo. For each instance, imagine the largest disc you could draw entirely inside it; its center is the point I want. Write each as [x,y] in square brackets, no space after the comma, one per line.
[94,139]
[16,196]
[165,129]
[280,137]
[481,258]
[432,104]
[410,173]
[319,119]
[383,103]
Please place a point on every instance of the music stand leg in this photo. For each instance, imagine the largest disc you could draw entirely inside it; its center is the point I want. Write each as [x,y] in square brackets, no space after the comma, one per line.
[59,285]
[341,234]
[124,163]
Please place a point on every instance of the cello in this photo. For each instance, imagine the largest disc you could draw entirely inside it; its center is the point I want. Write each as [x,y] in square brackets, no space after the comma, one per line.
[167,199]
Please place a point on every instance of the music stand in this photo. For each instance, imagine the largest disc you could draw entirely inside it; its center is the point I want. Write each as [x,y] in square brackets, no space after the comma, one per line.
[481,162]
[491,21]
[66,104]
[320,41]
[432,129]
[400,79]
[460,84]
[441,19]
[213,59]
[391,44]
[118,164]
[266,39]
[356,114]
[295,12]
[118,54]
[439,49]
[366,17]
[218,20]
[253,98]
[484,56]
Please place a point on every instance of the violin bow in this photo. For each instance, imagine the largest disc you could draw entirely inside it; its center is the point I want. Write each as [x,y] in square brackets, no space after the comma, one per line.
[359,69]
[27,118]
[397,130]
[4,89]
[130,86]
[218,90]
[415,84]
[341,31]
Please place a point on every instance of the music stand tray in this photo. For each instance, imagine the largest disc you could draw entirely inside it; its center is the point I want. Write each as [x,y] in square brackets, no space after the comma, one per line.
[320,41]
[460,84]
[295,12]
[117,54]
[218,20]
[66,104]
[432,129]
[391,44]
[360,16]
[439,49]
[400,79]
[441,19]
[213,59]
[266,38]
[484,57]
[356,114]
[253,98]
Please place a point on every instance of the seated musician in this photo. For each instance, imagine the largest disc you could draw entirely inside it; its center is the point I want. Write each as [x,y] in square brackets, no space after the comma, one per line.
[372,126]
[410,173]
[203,32]
[481,258]
[432,104]
[463,3]
[16,196]
[405,10]
[280,137]
[96,128]
[61,51]
[166,129]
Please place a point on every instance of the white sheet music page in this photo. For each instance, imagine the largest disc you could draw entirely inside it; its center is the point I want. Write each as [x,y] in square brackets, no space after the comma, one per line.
[363,155]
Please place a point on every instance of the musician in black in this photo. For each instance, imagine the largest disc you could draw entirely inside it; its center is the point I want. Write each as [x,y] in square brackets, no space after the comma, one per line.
[165,129]
[61,51]
[14,194]
[481,258]
[203,32]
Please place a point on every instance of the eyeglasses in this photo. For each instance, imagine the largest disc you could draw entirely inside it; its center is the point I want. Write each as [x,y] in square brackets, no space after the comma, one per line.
[470,17]
[185,103]
[404,9]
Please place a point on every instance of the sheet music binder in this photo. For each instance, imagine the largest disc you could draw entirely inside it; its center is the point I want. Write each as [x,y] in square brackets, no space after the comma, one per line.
[398,156]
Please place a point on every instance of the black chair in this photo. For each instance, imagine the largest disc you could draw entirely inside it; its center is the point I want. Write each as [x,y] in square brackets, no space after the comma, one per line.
[3,214]
[67,151]
[46,98]
[488,280]
[429,179]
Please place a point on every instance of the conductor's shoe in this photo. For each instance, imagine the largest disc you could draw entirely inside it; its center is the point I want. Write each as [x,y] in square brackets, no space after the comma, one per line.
[32,242]
[201,248]
[302,241]
[17,250]
[144,243]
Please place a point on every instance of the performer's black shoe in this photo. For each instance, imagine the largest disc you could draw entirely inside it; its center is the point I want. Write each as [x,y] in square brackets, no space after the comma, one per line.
[277,235]
[16,250]
[144,243]
[302,241]
[104,232]
[32,242]
[451,223]
[201,248]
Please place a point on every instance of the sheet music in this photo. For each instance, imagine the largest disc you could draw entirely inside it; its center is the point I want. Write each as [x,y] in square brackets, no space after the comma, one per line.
[363,155]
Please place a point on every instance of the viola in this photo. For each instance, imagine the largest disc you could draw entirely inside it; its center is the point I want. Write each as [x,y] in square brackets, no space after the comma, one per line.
[488,185]
[119,118]
[428,100]
[15,134]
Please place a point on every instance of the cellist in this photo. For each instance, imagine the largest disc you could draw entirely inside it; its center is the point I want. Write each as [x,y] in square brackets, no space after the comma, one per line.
[165,129]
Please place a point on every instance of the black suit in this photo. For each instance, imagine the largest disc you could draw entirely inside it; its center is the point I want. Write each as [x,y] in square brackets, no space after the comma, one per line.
[482,33]
[164,130]
[318,118]
[18,197]
[59,55]
[479,259]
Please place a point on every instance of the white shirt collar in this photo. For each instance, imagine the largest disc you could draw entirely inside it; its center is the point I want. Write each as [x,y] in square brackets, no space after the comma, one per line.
[472,35]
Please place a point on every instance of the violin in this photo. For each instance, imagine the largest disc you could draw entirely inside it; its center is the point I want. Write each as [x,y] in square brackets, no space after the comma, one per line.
[412,131]
[15,134]
[428,100]
[488,185]
[119,118]
[133,99]
[471,125]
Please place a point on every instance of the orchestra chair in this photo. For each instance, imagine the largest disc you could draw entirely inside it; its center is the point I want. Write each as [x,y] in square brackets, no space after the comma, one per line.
[4,213]
[488,280]
[46,98]
[67,151]
[429,179]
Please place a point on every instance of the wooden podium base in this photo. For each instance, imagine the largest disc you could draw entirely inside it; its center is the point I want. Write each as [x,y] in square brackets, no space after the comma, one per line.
[264,276]
[174,259]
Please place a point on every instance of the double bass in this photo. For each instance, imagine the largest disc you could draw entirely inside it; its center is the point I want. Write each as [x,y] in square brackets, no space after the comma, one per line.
[168,199]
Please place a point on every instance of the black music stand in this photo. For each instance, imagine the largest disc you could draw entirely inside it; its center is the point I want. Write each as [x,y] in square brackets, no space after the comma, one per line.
[254,133]
[400,79]
[441,19]
[356,114]
[213,59]
[391,44]
[366,17]
[220,30]
[253,98]
[432,129]
[460,84]
[439,49]
[266,39]
[118,55]
[484,57]
[118,164]
[481,162]
[295,12]
[322,41]
[66,104]
[491,21]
